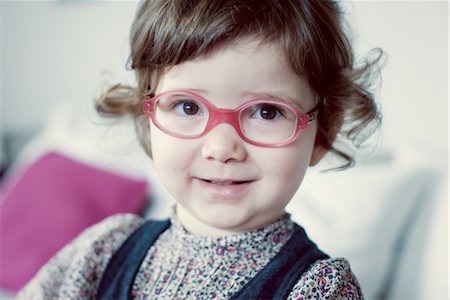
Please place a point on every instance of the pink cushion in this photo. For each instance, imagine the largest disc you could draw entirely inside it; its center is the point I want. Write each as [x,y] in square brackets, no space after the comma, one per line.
[49,204]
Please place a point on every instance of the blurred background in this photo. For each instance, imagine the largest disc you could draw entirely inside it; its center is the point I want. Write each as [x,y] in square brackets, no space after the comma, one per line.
[393,206]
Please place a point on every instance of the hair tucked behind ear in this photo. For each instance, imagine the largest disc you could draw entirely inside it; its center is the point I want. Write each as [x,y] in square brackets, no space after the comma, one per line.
[314,42]
[121,100]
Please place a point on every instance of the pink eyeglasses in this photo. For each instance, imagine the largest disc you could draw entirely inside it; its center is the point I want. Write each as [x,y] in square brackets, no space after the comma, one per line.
[261,122]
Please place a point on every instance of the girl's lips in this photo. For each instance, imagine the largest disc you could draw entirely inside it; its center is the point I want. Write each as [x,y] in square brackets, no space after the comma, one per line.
[225,188]
[225,182]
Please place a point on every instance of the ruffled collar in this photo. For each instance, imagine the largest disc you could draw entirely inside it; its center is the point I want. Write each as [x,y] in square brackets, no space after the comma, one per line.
[267,238]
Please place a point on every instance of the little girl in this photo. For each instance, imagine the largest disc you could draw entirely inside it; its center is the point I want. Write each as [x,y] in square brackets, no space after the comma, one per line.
[235,100]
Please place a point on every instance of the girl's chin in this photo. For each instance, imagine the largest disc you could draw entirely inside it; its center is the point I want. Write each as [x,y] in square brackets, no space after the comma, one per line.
[213,223]
[222,223]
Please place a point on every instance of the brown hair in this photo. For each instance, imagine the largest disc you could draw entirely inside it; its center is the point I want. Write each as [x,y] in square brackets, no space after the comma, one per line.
[310,32]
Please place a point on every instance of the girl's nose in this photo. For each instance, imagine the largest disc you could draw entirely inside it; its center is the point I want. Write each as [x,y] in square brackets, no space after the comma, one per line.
[223,144]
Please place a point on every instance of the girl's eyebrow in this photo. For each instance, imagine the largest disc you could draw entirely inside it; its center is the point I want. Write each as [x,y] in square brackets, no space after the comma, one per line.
[200,92]
[282,97]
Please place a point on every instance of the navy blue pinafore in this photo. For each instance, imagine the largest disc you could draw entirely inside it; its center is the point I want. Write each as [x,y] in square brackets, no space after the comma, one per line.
[275,281]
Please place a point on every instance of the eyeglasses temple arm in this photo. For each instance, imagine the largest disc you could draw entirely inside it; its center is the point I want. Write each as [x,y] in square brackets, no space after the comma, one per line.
[313,113]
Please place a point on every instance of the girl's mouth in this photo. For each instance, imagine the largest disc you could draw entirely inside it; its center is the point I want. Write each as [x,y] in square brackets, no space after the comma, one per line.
[225,182]
[224,189]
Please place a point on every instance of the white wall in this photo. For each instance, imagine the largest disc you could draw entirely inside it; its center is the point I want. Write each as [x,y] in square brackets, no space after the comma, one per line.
[414,94]
[56,51]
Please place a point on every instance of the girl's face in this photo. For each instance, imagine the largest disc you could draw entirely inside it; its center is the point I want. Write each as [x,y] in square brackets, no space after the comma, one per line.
[202,174]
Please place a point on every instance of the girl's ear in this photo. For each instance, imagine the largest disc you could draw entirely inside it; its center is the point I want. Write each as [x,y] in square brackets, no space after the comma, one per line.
[319,150]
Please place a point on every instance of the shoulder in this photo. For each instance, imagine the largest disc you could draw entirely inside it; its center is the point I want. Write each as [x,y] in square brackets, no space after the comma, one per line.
[77,268]
[102,239]
[112,230]
[329,278]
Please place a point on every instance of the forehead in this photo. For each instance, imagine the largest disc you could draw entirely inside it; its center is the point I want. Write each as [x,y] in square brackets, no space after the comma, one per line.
[244,69]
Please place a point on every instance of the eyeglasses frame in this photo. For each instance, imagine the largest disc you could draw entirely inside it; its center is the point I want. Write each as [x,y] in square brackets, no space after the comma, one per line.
[230,116]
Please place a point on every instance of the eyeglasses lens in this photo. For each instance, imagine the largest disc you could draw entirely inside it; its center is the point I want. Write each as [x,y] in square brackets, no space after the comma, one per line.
[181,115]
[268,123]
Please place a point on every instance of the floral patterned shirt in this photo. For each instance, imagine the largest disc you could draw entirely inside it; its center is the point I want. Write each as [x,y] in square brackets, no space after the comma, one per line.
[184,266]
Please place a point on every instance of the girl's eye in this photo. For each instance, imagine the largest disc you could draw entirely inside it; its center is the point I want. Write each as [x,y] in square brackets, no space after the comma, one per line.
[268,112]
[187,107]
